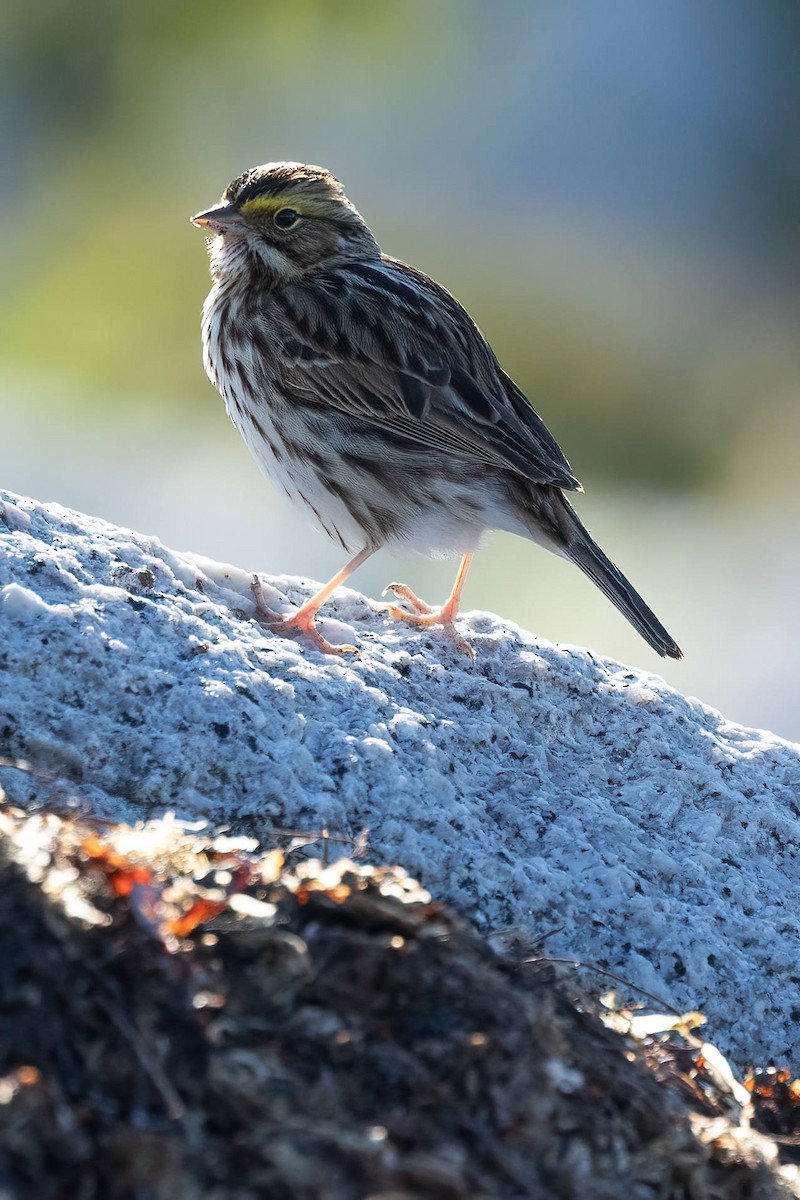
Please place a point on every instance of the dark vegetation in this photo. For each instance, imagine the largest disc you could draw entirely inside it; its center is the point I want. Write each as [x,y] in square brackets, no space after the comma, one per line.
[185,1017]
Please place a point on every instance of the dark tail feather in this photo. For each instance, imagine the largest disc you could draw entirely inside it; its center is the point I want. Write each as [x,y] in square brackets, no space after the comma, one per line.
[586,554]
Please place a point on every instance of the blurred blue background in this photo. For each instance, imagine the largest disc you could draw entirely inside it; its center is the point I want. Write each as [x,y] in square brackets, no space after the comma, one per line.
[612,190]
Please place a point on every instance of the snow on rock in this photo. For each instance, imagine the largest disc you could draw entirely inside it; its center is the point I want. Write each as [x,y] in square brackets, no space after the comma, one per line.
[544,788]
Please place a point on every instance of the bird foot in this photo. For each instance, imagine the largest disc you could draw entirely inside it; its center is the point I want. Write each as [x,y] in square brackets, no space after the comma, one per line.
[404,592]
[426,616]
[296,626]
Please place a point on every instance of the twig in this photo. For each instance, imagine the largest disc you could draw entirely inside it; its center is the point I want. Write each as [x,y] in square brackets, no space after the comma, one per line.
[151,1067]
[593,966]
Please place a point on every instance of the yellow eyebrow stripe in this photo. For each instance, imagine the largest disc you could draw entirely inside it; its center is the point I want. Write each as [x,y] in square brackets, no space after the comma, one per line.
[306,206]
[263,204]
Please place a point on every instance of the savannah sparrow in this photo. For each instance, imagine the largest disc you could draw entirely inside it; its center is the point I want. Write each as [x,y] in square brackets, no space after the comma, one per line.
[367,393]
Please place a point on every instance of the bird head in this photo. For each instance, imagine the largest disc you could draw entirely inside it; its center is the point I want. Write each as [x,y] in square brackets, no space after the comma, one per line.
[280,220]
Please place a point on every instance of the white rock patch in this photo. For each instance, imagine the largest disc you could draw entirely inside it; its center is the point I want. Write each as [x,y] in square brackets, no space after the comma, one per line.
[544,788]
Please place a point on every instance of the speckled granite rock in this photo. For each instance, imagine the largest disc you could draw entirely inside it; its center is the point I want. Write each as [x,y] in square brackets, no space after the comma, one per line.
[542,788]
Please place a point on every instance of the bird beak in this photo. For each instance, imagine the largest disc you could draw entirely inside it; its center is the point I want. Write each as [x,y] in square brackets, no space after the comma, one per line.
[218,219]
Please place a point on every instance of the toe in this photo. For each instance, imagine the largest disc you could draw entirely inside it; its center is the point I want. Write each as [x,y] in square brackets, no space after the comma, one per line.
[411,618]
[306,627]
[428,620]
[264,614]
[327,647]
[461,644]
[403,592]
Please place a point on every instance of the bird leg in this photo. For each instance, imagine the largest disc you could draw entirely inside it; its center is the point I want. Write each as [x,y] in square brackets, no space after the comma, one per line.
[302,623]
[424,614]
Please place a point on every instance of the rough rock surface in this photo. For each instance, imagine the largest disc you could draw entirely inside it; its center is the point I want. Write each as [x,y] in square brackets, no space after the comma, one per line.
[545,788]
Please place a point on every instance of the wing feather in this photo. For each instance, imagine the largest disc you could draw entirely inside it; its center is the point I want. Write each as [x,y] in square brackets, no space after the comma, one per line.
[386,344]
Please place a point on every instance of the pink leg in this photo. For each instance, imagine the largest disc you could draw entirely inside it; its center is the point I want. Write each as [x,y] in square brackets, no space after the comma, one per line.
[425,615]
[302,621]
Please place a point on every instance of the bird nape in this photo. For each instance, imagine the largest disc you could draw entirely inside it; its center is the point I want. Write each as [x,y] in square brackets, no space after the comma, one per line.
[369,396]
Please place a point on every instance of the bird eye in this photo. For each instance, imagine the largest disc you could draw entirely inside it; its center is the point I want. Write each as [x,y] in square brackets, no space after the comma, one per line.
[285,218]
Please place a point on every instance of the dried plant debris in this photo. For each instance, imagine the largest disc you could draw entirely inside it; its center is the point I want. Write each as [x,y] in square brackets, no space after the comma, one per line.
[671,1048]
[188,1017]
[776,1100]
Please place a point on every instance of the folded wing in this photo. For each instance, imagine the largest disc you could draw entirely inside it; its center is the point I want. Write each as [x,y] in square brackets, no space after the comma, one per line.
[386,344]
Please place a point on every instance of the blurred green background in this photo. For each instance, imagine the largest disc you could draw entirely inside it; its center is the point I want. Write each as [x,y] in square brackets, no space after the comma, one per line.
[612,190]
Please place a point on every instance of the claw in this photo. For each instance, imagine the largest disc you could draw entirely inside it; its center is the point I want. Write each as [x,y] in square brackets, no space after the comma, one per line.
[403,592]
